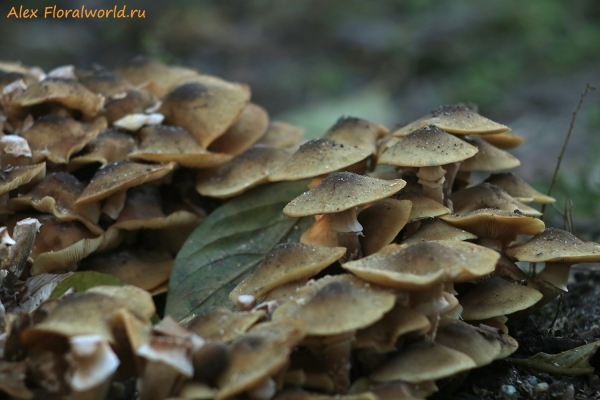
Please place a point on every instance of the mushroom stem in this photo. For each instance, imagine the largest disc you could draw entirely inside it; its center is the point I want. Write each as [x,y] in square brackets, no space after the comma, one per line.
[348,228]
[337,352]
[552,281]
[431,302]
[432,179]
[451,170]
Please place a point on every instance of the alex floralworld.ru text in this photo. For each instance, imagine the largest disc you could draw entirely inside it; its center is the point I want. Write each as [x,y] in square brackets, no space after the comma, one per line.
[82,12]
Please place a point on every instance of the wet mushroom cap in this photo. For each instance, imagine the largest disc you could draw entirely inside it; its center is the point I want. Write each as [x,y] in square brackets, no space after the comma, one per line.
[427,147]
[556,245]
[317,157]
[205,107]
[67,92]
[504,141]
[109,146]
[18,176]
[57,138]
[457,119]
[250,127]
[486,195]
[423,361]
[460,336]
[222,324]
[421,265]
[121,175]
[356,132]
[103,82]
[285,263]
[496,296]
[336,304]
[495,224]
[437,229]
[244,172]
[422,207]
[518,188]
[281,134]
[341,191]
[382,222]
[161,143]
[488,158]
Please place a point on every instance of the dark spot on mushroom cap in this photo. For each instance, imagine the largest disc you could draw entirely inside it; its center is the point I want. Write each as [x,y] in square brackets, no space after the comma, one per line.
[188,91]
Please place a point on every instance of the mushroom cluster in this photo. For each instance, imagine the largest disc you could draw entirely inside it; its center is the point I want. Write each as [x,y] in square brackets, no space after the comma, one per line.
[109,162]
[406,278]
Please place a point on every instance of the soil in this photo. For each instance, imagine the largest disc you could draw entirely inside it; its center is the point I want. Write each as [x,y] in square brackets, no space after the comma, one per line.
[576,325]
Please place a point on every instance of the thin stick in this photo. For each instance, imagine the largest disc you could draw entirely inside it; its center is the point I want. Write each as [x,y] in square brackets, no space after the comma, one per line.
[588,88]
[560,300]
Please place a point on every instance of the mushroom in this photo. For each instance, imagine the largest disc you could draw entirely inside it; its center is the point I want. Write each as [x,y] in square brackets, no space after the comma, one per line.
[382,222]
[160,143]
[67,92]
[103,82]
[460,336]
[518,188]
[494,297]
[248,170]
[206,107]
[423,361]
[14,260]
[15,177]
[486,195]
[428,149]
[281,135]
[109,146]
[334,307]
[458,119]
[285,263]
[317,158]
[57,138]
[504,140]
[247,130]
[437,229]
[488,158]
[559,250]
[358,132]
[258,355]
[339,195]
[222,324]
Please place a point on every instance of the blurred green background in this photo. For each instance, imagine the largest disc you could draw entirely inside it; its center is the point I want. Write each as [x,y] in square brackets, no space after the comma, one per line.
[524,63]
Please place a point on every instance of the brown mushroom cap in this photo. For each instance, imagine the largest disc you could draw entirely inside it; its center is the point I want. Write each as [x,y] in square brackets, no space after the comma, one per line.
[18,176]
[146,70]
[320,233]
[495,224]
[109,146]
[458,119]
[421,265]
[518,188]
[55,194]
[336,304]
[486,195]
[437,229]
[427,147]
[281,134]
[161,143]
[246,131]
[356,132]
[222,324]
[489,158]
[341,191]
[460,336]
[257,355]
[318,157]
[121,175]
[495,296]
[67,92]
[422,207]
[142,268]
[382,222]
[423,361]
[56,138]
[286,262]
[244,172]
[206,107]
[103,82]
[85,313]
[504,140]
[383,334]
[556,245]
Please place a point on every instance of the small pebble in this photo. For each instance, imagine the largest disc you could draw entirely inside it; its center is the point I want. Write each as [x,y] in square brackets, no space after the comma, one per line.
[509,392]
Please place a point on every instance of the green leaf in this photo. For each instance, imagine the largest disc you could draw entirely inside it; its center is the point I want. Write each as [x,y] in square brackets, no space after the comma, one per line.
[571,362]
[229,244]
[82,281]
